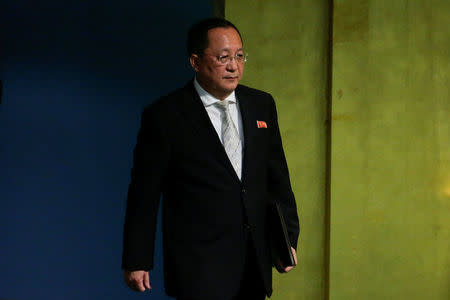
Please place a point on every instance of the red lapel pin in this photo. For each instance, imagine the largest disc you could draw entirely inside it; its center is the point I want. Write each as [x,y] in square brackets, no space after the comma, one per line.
[261,124]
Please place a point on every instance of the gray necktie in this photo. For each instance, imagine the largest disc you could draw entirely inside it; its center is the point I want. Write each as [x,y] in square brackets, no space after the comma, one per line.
[230,137]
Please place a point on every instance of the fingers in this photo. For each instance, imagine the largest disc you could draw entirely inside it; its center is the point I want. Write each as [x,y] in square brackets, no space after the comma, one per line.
[147,281]
[137,280]
[294,253]
[139,286]
[287,269]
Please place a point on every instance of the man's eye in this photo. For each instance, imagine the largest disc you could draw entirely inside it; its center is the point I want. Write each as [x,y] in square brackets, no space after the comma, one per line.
[239,55]
[223,58]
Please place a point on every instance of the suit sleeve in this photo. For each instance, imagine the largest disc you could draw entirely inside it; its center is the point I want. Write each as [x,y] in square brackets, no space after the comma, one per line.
[279,182]
[150,162]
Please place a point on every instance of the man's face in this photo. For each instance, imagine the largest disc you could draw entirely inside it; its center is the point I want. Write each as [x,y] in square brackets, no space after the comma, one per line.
[220,79]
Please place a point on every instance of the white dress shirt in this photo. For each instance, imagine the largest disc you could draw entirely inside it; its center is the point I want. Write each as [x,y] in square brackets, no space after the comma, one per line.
[214,112]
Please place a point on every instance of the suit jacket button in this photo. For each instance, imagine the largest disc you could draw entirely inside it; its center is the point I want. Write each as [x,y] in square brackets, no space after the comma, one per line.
[243,191]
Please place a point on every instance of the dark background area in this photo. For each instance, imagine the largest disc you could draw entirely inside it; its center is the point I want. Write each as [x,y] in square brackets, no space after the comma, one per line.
[76,76]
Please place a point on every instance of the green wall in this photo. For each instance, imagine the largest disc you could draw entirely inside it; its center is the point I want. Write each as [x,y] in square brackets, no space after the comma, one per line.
[287,42]
[390,156]
[389,147]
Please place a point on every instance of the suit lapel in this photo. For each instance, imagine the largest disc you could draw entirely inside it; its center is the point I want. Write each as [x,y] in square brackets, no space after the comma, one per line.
[195,113]
[248,120]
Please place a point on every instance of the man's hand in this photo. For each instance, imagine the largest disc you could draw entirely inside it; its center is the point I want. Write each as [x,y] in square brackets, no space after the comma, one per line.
[137,280]
[283,269]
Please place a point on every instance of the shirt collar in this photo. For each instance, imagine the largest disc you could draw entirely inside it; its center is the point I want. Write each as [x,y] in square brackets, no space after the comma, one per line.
[209,99]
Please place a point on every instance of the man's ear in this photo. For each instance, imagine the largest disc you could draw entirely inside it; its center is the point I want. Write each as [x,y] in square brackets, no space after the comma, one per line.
[194,60]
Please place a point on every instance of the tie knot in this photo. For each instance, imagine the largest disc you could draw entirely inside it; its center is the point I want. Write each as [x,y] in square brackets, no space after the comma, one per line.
[223,104]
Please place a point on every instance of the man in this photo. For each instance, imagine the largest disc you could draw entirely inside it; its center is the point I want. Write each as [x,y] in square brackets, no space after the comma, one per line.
[213,149]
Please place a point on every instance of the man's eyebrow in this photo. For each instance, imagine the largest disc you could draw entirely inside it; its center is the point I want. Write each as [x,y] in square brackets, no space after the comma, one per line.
[228,49]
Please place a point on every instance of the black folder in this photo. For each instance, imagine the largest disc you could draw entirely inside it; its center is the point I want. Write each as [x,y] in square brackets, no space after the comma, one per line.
[280,243]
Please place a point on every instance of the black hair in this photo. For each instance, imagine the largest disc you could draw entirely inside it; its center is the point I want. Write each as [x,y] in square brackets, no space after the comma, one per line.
[197,40]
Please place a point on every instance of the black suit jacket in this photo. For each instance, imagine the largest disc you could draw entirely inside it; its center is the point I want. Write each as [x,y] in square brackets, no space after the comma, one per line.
[205,205]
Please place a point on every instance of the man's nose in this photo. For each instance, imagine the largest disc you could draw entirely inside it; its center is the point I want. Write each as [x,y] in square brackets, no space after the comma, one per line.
[232,65]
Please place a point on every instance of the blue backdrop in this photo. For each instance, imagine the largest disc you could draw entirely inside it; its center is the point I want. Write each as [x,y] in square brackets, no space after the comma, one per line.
[76,76]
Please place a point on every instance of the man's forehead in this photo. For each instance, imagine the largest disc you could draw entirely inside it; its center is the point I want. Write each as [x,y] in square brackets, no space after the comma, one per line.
[230,49]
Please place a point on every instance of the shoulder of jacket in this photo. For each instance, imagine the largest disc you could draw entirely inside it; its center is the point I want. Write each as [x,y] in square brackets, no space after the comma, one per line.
[252,91]
[168,103]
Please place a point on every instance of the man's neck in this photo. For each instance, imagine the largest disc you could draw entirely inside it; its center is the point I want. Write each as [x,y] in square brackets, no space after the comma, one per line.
[220,96]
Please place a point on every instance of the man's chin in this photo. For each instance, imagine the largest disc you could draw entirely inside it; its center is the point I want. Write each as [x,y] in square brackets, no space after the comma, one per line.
[231,86]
